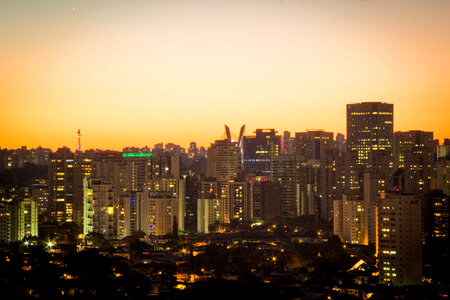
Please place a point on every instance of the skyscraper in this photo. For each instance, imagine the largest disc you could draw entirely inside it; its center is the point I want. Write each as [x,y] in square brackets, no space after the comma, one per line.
[399,245]
[413,154]
[208,206]
[223,165]
[104,207]
[284,169]
[312,148]
[24,219]
[370,135]
[240,203]
[259,150]
[60,184]
[348,221]
[312,144]
[65,184]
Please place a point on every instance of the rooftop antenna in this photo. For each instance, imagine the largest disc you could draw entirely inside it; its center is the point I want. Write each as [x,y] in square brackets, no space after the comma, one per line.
[79,141]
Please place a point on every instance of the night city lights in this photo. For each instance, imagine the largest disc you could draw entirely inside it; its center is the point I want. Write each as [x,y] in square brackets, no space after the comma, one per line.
[165,149]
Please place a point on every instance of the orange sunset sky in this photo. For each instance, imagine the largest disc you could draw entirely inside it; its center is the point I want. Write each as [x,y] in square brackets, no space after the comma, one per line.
[135,73]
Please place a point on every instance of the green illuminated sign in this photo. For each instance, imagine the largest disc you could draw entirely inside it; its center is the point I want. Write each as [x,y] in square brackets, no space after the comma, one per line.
[137,154]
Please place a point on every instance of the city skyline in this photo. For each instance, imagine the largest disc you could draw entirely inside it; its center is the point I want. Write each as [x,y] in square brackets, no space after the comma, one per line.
[204,149]
[137,74]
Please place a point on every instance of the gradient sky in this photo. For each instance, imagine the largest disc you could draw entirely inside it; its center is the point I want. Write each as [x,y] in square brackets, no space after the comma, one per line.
[139,72]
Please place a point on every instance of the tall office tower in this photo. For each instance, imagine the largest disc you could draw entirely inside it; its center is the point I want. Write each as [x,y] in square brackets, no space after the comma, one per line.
[288,143]
[223,164]
[413,154]
[399,246]
[340,142]
[192,192]
[332,181]
[259,150]
[435,211]
[348,221]
[5,222]
[370,135]
[60,184]
[24,220]
[208,206]
[39,194]
[307,188]
[159,213]
[240,200]
[138,169]
[284,170]
[264,199]
[312,145]
[103,205]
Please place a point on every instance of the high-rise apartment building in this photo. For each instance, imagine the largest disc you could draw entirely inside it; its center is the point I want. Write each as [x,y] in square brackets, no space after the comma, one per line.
[399,247]
[24,219]
[284,170]
[131,213]
[240,200]
[5,222]
[348,221]
[374,188]
[176,187]
[65,183]
[154,213]
[88,208]
[61,184]
[223,165]
[435,212]
[138,169]
[208,206]
[413,155]
[159,214]
[104,207]
[39,194]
